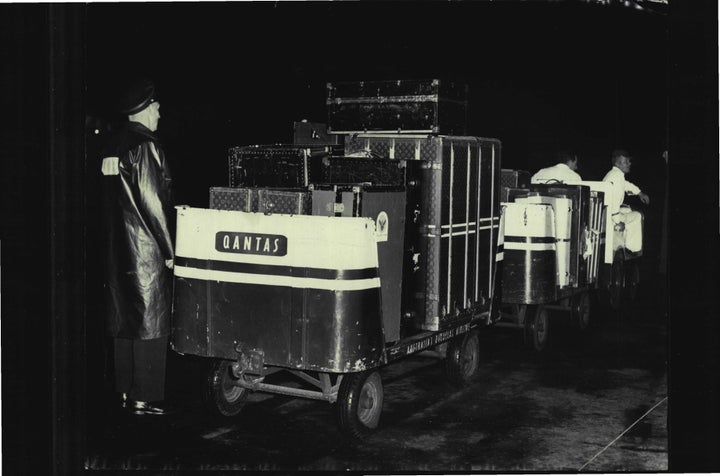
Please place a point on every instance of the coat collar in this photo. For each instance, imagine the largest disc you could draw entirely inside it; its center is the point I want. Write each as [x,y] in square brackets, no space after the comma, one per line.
[138,128]
[619,171]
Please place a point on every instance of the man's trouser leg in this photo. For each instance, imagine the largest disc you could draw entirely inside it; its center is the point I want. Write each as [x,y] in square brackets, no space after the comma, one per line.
[140,368]
[633,230]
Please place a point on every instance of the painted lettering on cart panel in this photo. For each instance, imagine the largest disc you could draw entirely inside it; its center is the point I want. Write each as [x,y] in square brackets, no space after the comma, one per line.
[251,243]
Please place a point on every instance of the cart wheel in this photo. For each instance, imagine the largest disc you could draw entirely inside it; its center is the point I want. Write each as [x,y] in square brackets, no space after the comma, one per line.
[463,357]
[221,396]
[540,329]
[360,401]
[616,286]
[581,310]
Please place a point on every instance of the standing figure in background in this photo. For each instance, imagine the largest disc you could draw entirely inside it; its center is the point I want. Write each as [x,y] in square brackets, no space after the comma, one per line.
[565,171]
[140,253]
[631,219]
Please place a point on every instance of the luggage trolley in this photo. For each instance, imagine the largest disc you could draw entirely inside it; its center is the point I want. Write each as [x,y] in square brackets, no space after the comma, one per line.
[553,239]
[360,257]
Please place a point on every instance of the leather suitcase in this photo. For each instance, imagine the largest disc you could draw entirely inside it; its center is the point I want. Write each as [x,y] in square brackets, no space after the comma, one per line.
[228,198]
[263,200]
[405,106]
[361,170]
[512,179]
[280,165]
[292,202]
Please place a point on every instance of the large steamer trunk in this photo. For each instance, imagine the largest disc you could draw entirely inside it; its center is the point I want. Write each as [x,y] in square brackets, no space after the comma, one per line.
[408,106]
[453,218]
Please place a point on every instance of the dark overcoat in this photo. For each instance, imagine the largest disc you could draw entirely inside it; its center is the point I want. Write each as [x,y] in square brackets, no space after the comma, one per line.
[138,219]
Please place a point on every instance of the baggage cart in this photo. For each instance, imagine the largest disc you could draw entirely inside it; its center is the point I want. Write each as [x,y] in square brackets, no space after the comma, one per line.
[371,272]
[556,255]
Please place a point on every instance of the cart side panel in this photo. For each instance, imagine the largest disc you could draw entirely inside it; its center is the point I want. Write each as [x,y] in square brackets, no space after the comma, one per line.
[580,200]
[351,341]
[253,317]
[189,325]
[561,232]
[310,302]
[288,325]
[529,264]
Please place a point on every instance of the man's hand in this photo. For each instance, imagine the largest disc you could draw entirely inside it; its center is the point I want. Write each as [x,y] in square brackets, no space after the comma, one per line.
[169,263]
[644,198]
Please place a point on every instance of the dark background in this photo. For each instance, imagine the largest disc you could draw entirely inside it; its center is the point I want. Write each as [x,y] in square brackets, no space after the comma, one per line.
[541,74]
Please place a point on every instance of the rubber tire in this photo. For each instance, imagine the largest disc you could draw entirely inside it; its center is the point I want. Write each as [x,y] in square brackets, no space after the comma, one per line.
[540,329]
[359,404]
[581,311]
[220,396]
[463,358]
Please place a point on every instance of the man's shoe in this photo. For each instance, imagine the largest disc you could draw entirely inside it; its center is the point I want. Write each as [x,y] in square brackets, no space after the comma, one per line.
[124,400]
[144,408]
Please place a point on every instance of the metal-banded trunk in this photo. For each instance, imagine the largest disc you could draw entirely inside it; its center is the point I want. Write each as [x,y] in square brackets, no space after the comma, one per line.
[408,106]
[453,181]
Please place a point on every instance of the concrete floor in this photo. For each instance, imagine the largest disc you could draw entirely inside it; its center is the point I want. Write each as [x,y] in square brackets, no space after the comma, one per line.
[569,410]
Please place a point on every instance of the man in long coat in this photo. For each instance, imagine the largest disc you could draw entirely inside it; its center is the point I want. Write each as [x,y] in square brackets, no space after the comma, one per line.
[140,255]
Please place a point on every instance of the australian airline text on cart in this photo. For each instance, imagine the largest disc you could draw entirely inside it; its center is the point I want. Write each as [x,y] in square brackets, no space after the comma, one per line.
[251,243]
[436,339]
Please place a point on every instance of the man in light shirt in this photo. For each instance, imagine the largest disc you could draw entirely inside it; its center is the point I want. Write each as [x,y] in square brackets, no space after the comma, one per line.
[632,220]
[562,172]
